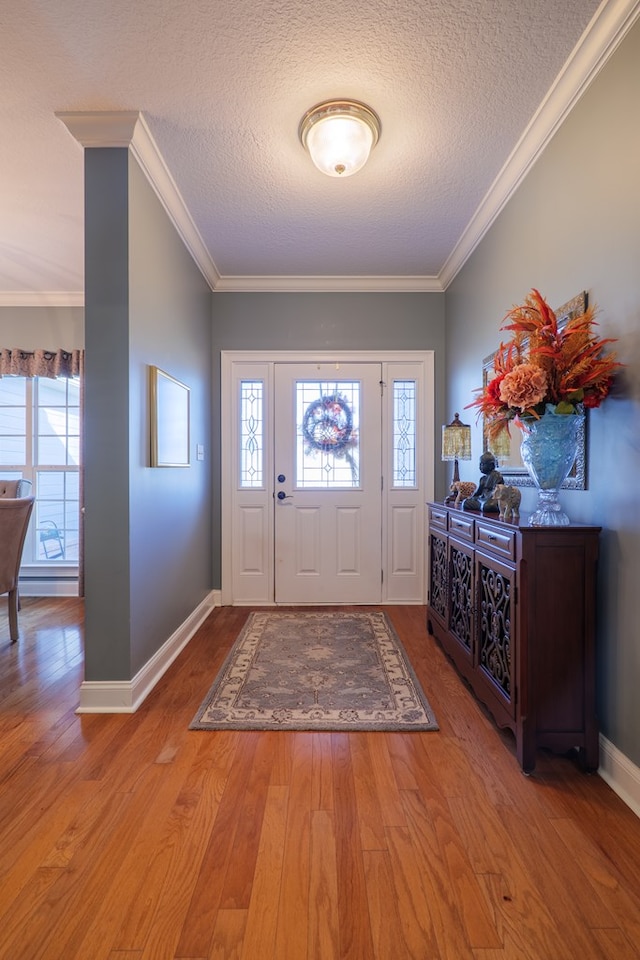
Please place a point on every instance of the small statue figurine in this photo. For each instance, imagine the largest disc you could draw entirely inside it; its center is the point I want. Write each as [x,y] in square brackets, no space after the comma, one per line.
[508,500]
[483,497]
[458,490]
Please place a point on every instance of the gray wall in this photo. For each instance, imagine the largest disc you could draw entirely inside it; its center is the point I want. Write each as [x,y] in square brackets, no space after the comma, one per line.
[325,321]
[42,328]
[148,531]
[574,224]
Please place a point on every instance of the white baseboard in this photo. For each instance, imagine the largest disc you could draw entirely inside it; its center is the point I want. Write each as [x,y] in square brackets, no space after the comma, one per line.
[125,696]
[47,587]
[620,773]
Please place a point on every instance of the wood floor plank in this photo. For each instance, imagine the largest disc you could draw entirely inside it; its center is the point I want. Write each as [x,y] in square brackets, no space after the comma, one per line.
[228,936]
[482,834]
[356,940]
[552,875]
[238,881]
[261,917]
[398,747]
[443,909]
[389,799]
[142,869]
[324,925]
[526,929]
[411,895]
[386,926]
[192,821]
[615,945]
[55,897]
[197,929]
[370,822]
[620,905]
[181,837]
[293,909]
[322,773]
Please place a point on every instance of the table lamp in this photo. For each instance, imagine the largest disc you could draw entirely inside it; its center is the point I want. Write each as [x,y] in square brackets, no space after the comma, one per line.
[456,443]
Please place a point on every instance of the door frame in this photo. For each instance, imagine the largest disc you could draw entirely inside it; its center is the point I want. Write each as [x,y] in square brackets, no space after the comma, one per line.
[263,363]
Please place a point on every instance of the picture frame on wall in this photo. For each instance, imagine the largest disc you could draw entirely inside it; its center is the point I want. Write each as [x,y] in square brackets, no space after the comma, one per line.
[509,460]
[169,420]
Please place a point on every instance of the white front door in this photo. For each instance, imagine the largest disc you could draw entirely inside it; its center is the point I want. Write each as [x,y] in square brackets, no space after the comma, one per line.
[328,470]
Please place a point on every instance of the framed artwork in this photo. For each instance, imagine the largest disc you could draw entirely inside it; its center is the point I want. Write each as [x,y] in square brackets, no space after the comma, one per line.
[169,405]
[510,463]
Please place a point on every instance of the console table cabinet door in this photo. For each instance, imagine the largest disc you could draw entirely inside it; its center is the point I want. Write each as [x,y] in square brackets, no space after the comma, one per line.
[438,576]
[496,646]
[461,595]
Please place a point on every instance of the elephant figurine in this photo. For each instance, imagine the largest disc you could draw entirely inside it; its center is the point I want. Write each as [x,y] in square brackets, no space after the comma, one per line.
[508,501]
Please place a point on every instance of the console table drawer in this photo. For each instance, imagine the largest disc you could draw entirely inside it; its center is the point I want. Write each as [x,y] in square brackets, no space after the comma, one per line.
[461,526]
[438,518]
[501,542]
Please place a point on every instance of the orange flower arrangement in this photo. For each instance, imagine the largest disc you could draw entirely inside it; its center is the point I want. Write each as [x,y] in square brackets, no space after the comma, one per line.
[544,364]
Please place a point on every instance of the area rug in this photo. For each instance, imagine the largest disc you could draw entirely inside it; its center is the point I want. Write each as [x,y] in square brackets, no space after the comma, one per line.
[316,671]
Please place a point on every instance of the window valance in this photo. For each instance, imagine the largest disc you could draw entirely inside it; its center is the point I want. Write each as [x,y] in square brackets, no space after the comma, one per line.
[40,363]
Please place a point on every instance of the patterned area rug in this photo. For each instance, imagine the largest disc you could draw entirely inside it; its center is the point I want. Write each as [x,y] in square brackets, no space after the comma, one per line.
[316,671]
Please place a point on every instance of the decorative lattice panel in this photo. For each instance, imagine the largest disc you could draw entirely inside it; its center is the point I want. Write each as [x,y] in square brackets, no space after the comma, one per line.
[438,585]
[494,650]
[460,614]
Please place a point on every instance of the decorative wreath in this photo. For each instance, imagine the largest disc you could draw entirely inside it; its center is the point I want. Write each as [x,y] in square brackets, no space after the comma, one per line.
[327,424]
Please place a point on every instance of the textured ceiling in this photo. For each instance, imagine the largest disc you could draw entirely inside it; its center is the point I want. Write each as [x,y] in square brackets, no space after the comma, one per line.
[222,85]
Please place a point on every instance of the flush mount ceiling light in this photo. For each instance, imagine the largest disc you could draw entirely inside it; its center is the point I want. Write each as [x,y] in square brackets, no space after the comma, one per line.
[339,135]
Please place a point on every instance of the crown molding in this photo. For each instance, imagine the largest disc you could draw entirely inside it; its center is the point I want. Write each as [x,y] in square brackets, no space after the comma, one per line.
[32,298]
[608,27]
[128,128]
[113,128]
[328,284]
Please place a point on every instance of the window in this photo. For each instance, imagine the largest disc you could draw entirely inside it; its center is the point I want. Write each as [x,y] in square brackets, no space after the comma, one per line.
[40,441]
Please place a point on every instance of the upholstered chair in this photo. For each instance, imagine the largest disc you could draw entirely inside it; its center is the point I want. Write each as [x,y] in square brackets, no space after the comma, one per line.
[15,488]
[14,520]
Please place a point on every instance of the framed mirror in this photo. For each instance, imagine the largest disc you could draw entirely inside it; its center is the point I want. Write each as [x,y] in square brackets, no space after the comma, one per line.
[507,455]
[169,420]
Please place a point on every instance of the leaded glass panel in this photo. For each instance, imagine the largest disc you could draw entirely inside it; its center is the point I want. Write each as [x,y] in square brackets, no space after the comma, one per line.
[251,433]
[327,434]
[404,433]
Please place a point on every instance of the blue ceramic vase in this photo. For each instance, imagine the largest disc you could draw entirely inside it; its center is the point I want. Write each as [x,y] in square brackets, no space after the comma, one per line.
[548,451]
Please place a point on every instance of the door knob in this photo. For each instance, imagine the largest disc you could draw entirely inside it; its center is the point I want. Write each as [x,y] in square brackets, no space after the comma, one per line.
[281,478]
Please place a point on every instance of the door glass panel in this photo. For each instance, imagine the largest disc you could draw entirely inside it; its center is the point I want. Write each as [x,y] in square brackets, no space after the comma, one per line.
[404,433]
[251,433]
[327,434]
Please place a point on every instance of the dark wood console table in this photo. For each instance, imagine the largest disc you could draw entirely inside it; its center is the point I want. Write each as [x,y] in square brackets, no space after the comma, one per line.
[514,608]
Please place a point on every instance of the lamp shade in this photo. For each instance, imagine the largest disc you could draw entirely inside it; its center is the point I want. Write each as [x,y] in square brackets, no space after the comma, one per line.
[456,443]
[456,440]
[339,136]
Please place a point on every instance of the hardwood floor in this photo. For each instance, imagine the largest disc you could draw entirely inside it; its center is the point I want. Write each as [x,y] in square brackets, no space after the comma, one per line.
[131,837]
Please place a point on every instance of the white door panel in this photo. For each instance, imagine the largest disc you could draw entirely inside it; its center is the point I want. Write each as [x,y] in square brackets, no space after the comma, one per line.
[328,504]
